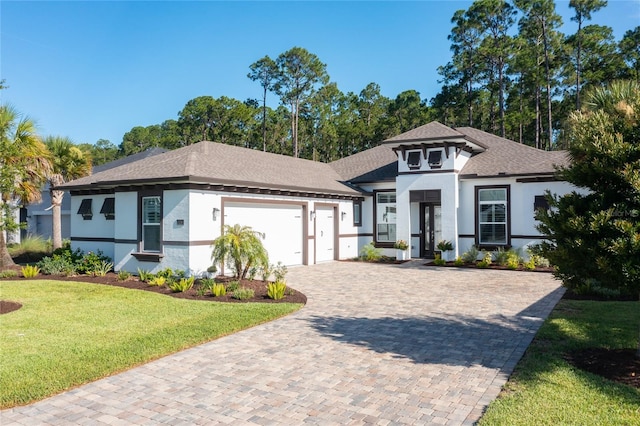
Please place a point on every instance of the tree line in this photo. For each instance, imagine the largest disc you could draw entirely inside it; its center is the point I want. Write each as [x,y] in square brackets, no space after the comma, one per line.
[512,73]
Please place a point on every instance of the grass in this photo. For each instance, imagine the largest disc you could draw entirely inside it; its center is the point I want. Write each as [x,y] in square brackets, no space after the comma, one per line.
[68,333]
[31,248]
[547,390]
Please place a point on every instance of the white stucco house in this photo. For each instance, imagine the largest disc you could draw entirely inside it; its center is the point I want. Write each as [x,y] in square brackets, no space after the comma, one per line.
[429,184]
[38,216]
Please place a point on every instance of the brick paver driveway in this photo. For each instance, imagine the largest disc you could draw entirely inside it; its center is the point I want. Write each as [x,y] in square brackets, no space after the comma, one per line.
[380,344]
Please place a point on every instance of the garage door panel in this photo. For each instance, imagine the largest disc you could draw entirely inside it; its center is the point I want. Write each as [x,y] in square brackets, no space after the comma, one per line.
[281,225]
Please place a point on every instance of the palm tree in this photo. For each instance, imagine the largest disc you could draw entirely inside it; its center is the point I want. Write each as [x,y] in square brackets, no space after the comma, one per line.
[24,166]
[69,162]
[241,247]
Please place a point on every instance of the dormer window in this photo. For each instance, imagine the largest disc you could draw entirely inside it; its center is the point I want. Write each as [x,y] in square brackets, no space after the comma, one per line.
[85,209]
[435,159]
[108,208]
[414,160]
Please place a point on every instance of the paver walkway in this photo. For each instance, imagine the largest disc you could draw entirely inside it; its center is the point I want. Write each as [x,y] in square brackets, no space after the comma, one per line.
[376,344]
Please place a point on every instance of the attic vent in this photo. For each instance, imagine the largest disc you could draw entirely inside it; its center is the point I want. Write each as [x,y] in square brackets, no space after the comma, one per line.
[108,208]
[85,209]
[414,160]
[435,159]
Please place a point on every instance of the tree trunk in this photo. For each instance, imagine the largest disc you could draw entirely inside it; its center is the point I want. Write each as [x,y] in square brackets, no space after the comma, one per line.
[5,259]
[578,66]
[56,204]
[264,120]
[548,78]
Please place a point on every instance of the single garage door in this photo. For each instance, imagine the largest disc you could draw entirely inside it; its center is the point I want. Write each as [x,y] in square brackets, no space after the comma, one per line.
[281,225]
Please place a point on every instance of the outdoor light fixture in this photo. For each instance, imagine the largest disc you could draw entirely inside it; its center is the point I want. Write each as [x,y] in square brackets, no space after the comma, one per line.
[215,213]
[312,215]
[343,215]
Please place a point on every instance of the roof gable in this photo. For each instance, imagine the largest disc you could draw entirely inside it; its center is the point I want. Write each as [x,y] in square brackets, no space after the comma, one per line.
[433,130]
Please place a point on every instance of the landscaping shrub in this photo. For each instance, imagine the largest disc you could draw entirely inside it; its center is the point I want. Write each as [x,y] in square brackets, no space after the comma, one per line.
[156,281]
[102,269]
[279,272]
[9,273]
[181,285]
[370,253]
[458,261]
[486,260]
[32,248]
[218,289]
[243,293]
[276,290]
[145,276]
[233,286]
[30,271]
[501,256]
[57,265]
[471,255]
[123,275]
[206,284]
[90,262]
[439,261]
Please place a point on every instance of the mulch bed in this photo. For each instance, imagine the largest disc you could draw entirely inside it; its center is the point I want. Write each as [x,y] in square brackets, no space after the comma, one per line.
[618,365]
[259,287]
[493,266]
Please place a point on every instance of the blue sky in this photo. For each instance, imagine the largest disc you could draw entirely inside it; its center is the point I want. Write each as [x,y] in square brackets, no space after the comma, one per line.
[93,70]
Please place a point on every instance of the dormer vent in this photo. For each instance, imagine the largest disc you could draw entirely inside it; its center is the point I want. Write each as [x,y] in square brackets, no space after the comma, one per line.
[414,160]
[435,159]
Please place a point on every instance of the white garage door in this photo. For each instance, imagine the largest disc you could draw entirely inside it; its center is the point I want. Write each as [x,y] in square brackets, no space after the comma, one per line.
[280,223]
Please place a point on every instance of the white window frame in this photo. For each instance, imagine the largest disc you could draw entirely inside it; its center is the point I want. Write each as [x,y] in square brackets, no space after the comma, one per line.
[146,224]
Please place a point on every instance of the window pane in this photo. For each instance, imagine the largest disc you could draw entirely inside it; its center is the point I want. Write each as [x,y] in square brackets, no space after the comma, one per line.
[151,237]
[151,210]
[493,233]
[492,195]
[357,213]
[386,232]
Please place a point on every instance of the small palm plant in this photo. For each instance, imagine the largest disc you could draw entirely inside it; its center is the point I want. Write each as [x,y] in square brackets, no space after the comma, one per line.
[240,247]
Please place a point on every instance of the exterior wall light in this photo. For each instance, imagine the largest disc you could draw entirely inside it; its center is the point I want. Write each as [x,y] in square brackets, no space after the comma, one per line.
[312,215]
[343,215]
[215,213]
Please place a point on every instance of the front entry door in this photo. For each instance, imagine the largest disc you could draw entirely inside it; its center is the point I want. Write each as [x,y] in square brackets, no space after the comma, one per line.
[430,228]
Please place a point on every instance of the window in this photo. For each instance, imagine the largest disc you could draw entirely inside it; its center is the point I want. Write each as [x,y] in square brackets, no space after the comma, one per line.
[540,202]
[435,159]
[414,160]
[151,220]
[108,208]
[386,217]
[357,213]
[492,216]
[85,209]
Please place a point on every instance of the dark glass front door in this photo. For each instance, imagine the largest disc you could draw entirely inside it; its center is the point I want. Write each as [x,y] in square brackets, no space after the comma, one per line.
[430,228]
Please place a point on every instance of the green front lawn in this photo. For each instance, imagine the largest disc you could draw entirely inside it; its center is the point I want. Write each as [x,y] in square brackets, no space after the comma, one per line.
[71,333]
[546,390]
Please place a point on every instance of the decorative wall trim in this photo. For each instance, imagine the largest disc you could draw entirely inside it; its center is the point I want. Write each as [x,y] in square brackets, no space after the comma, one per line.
[93,239]
[244,189]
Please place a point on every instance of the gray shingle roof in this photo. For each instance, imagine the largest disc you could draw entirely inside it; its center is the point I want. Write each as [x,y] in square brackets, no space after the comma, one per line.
[375,164]
[129,159]
[504,156]
[216,163]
